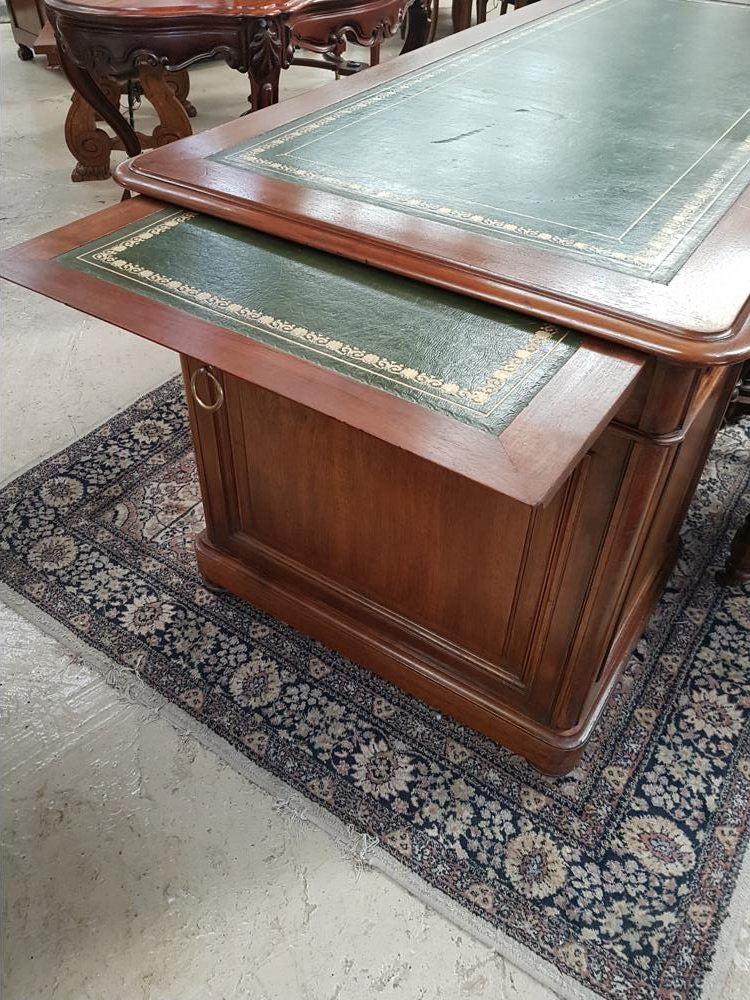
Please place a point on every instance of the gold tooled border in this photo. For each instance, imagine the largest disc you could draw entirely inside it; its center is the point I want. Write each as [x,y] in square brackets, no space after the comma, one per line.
[656,250]
[538,345]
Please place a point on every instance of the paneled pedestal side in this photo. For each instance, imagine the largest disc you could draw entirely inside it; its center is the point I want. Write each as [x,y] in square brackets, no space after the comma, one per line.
[513,618]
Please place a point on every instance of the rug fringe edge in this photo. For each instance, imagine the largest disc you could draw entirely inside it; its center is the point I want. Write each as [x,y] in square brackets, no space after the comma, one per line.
[296,810]
[19,473]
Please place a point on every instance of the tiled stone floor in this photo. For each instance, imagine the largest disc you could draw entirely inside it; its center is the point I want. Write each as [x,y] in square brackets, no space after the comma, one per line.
[136,864]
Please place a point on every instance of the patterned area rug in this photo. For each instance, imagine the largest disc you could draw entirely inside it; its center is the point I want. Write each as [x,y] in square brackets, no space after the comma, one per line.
[619,875]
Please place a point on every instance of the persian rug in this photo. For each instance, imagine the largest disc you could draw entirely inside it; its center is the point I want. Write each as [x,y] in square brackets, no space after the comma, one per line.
[622,879]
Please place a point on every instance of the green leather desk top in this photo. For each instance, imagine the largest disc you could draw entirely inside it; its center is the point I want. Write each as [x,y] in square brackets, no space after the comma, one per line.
[477,363]
[615,130]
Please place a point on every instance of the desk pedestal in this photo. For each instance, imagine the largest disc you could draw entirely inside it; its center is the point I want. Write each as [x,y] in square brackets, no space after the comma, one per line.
[516,620]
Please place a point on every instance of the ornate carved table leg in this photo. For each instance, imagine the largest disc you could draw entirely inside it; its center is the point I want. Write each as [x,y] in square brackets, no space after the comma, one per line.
[737,569]
[90,90]
[180,83]
[162,92]
[89,145]
[270,52]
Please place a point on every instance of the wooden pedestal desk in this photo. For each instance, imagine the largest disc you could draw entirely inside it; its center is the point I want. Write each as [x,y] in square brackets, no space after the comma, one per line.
[476,495]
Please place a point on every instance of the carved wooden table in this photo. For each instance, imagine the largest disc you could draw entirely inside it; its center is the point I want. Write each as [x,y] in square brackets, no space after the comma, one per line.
[477,496]
[102,43]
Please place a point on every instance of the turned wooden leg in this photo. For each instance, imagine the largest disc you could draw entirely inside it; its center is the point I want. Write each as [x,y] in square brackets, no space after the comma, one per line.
[89,145]
[737,569]
[461,14]
[161,92]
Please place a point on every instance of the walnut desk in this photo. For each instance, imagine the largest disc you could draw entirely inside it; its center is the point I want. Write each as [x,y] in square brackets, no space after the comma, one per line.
[473,489]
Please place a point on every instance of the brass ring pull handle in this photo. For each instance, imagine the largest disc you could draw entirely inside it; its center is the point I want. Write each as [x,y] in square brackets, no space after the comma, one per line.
[208,372]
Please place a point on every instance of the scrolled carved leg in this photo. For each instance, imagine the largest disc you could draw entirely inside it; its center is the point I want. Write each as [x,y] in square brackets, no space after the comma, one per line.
[161,92]
[89,145]
[90,89]
[180,83]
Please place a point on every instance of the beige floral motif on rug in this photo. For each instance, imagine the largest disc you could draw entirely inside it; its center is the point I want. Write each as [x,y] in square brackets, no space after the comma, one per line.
[620,875]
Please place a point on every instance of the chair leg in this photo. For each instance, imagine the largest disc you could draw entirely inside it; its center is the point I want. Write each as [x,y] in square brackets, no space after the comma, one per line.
[461,14]
[434,20]
[481,11]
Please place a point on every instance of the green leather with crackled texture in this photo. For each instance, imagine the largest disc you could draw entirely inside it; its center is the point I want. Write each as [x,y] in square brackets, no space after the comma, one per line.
[475,362]
[616,130]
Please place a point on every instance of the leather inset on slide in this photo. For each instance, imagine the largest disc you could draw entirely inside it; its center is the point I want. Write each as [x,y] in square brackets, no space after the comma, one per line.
[476,362]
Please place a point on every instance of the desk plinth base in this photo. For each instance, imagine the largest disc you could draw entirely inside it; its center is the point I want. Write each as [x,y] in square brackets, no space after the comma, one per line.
[376,638]
[514,620]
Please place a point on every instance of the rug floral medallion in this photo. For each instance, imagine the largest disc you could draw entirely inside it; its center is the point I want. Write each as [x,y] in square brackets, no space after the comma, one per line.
[619,874]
